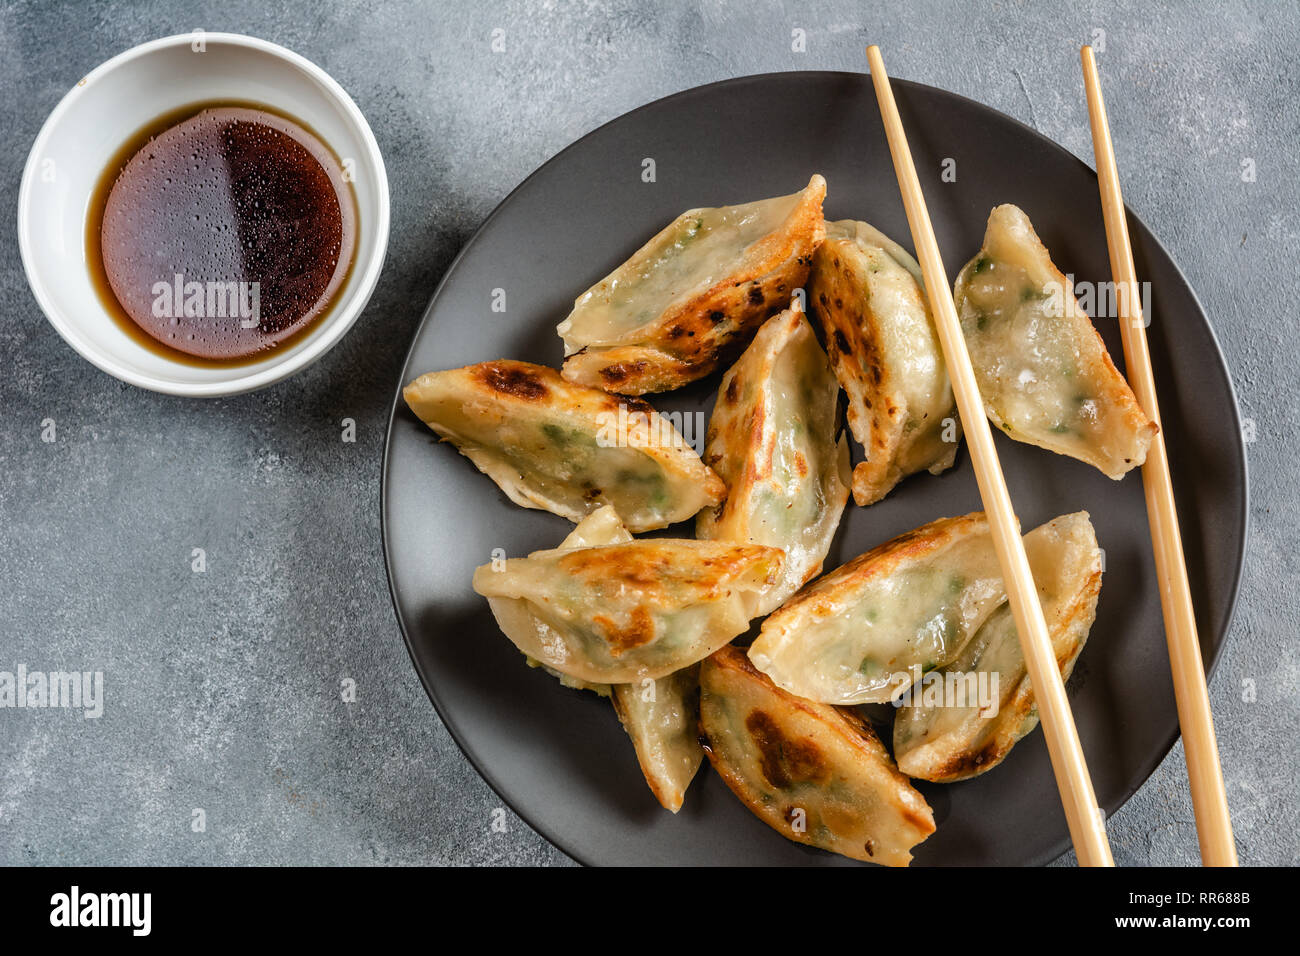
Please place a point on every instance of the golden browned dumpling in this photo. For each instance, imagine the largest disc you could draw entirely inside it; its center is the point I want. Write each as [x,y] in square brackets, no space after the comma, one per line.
[816,774]
[1043,371]
[707,281]
[943,742]
[620,613]
[659,715]
[866,292]
[854,635]
[775,440]
[515,616]
[864,632]
[565,448]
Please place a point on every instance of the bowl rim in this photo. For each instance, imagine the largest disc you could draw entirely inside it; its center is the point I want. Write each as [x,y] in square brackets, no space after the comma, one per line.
[322,339]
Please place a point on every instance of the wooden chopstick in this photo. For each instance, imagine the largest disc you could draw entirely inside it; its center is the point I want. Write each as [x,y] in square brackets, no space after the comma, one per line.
[1209,801]
[1081,812]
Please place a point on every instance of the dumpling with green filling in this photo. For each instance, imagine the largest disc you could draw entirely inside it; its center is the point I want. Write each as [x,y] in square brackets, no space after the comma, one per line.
[704,283]
[1043,371]
[620,613]
[815,774]
[513,615]
[853,636]
[866,292]
[658,715]
[947,743]
[775,440]
[566,448]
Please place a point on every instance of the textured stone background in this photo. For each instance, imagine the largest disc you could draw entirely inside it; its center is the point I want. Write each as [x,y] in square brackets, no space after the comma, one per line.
[223,687]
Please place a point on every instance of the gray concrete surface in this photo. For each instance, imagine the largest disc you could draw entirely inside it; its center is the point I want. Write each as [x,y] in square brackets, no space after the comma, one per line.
[223,688]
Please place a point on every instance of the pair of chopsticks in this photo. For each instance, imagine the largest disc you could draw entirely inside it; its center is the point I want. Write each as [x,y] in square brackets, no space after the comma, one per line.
[1083,816]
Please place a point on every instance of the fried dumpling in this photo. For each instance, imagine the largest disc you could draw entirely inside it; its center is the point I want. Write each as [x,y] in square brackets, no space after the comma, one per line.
[862,633]
[814,773]
[623,612]
[1043,371]
[707,281]
[602,526]
[565,448]
[853,635]
[775,440]
[661,718]
[949,743]
[866,292]
[659,715]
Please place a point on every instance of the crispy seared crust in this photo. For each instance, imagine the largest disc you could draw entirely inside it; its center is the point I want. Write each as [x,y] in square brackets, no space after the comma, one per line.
[745,445]
[816,774]
[610,608]
[493,396]
[715,568]
[689,340]
[874,418]
[840,297]
[736,427]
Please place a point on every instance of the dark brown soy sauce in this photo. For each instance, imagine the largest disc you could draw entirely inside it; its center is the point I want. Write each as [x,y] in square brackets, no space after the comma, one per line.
[295,235]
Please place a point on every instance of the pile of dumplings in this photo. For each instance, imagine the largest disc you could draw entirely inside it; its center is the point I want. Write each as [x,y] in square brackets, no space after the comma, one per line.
[795,309]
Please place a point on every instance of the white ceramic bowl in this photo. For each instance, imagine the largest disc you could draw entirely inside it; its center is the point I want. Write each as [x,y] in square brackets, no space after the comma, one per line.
[123,96]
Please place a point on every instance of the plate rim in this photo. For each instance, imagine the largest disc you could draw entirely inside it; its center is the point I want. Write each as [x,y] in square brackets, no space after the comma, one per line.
[1054,851]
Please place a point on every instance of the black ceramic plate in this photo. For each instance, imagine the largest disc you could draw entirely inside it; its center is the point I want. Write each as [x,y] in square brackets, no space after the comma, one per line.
[559,757]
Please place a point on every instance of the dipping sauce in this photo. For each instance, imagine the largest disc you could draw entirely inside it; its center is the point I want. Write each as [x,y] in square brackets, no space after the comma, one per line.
[228,232]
